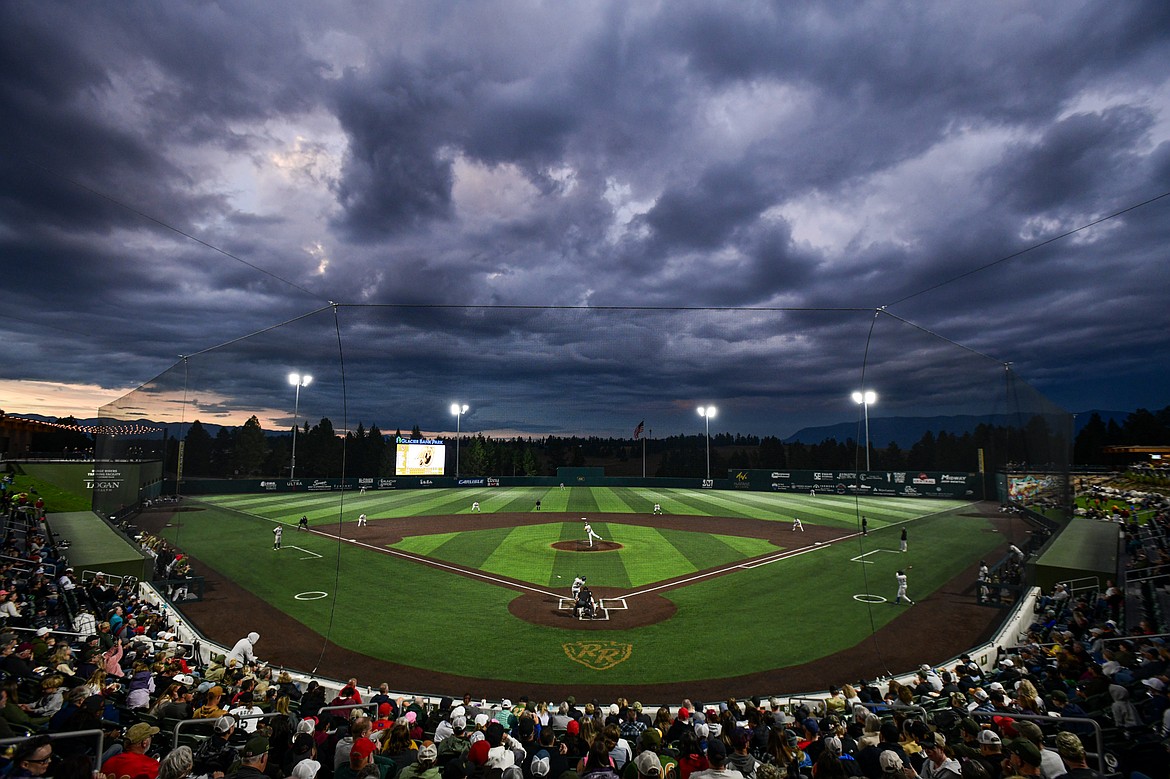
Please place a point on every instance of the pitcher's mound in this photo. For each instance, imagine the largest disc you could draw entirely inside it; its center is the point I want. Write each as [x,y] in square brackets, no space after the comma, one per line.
[583,546]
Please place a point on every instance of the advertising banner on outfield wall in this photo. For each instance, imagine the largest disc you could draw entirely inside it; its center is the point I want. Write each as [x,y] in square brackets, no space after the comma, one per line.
[901,484]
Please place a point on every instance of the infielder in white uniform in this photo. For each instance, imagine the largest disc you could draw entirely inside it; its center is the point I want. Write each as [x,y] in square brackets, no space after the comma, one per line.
[797,524]
[361,520]
[589,534]
[277,532]
[901,577]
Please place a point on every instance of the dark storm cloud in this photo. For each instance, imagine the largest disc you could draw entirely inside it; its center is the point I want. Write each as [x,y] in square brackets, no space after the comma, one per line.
[584,154]
[397,123]
[1075,159]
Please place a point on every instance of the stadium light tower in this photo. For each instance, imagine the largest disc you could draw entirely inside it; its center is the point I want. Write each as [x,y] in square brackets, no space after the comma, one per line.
[706,412]
[298,381]
[865,399]
[458,410]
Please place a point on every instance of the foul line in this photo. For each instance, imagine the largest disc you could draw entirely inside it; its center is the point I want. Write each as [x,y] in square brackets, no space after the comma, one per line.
[768,559]
[511,583]
[306,551]
[860,557]
[772,558]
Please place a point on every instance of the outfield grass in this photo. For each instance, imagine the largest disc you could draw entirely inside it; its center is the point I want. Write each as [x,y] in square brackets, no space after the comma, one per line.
[647,555]
[834,510]
[780,614]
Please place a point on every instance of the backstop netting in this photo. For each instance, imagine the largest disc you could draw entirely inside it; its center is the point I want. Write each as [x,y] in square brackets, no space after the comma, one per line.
[551,392]
[573,384]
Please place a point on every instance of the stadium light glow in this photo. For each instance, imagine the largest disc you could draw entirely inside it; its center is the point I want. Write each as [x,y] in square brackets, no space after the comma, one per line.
[706,412]
[458,410]
[298,381]
[865,399]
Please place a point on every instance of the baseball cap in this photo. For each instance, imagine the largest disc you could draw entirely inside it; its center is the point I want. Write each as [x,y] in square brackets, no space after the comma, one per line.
[540,764]
[1025,750]
[1030,730]
[1069,746]
[478,753]
[989,737]
[140,732]
[890,761]
[428,752]
[362,747]
[715,748]
[932,740]
[684,713]
[306,769]
[1154,683]
[224,723]
[256,746]
[648,764]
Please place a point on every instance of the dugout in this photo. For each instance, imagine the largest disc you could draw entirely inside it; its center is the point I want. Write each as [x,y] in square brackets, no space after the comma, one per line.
[1085,548]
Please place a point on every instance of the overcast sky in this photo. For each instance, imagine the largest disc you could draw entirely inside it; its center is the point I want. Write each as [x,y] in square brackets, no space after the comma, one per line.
[720,156]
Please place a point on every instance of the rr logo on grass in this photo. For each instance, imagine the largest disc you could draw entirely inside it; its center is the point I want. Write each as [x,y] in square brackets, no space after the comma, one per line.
[598,655]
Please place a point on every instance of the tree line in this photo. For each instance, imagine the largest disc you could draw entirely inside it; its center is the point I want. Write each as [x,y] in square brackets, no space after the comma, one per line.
[249,451]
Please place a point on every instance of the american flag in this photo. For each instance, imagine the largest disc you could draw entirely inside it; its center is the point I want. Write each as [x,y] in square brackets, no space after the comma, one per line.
[638,430]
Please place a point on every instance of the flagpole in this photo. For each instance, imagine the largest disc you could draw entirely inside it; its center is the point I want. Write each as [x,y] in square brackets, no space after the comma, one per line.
[643,459]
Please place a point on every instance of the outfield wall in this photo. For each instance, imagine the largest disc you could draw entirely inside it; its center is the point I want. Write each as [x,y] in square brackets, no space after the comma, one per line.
[895,484]
[113,484]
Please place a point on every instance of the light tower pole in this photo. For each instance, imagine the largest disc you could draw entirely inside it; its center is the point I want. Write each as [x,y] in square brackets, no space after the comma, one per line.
[866,399]
[458,410]
[298,381]
[706,412]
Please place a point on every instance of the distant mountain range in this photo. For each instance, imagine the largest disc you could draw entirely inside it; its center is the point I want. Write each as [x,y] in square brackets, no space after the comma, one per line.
[905,431]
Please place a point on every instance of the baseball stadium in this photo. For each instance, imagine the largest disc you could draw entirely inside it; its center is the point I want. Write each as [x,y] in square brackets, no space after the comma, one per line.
[717,574]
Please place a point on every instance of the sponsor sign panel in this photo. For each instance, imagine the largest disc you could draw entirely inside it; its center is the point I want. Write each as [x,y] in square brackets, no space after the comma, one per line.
[913,484]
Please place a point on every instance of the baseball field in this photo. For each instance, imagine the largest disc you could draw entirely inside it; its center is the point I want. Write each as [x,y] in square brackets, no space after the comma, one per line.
[719,592]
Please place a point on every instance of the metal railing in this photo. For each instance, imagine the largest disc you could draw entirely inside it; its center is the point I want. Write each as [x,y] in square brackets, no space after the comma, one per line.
[98,736]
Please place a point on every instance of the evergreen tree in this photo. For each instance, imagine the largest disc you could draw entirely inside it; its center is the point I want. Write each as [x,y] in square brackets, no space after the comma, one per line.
[221,454]
[197,448]
[531,463]
[1089,448]
[251,448]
